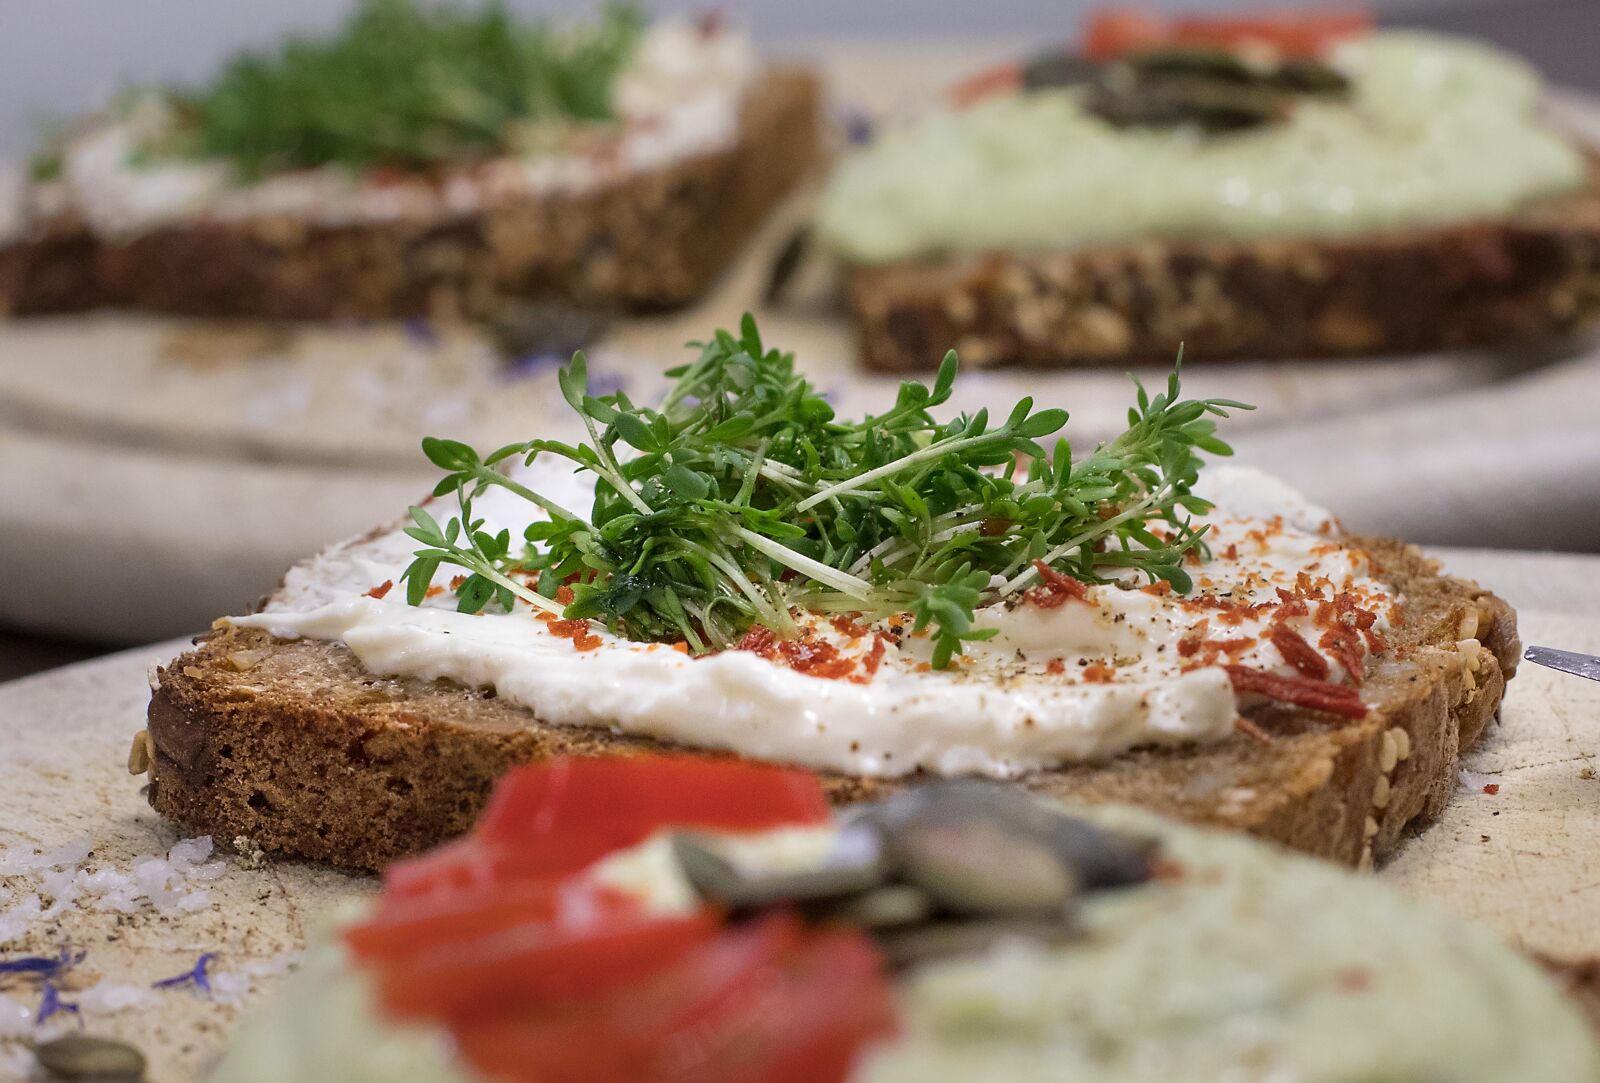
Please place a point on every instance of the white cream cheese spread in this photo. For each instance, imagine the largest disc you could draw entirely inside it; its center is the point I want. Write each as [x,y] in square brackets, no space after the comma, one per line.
[1066,679]
[678,96]
[1436,130]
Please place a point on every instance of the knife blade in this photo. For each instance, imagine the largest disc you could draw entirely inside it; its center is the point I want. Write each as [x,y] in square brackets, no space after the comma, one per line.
[1580,665]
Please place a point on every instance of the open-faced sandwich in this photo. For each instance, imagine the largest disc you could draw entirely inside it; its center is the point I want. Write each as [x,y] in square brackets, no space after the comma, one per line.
[651,919]
[741,570]
[1296,184]
[421,161]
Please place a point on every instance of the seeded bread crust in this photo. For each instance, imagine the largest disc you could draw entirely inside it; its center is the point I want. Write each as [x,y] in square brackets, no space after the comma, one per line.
[292,746]
[1531,277]
[653,240]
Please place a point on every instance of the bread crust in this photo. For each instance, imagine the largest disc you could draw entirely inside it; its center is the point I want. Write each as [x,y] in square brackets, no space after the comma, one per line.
[655,239]
[290,746]
[1530,277]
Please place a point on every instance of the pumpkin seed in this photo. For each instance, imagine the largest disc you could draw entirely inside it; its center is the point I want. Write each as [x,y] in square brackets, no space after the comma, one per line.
[890,906]
[718,880]
[1051,70]
[983,867]
[1224,66]
[904,948]
[85,1057]
[1167,102]
[1097,858]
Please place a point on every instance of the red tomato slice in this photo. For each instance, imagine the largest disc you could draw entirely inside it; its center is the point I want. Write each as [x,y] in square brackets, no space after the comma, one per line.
[627,797]
[768,1003]
[475,865]
[1114,32]
[1292,33]
[1118,31]
[526,967]
[986,83]
[403,926]
[564,814]
[823,1005]
[619,1037]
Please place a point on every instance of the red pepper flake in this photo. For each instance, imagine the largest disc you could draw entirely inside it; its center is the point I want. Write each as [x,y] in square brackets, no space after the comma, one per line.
[758,640]
[1298,653]
[564,594]
[1231,647]
[1354,979]
[1160,588]
[815,657]
[1055,589]
[846,624]
[1055,667]
[455,584]
[1231,552]
[433,592]
[873,660]
[1345,645]
[1167,870]
[381,589]
[1491,788]
[1300,691]
[1099,673]
[575,630]
[681,646]
[1251,730]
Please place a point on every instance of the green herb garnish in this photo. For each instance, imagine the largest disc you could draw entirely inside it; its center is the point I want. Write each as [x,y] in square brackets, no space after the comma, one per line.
[743,496]
[408,86]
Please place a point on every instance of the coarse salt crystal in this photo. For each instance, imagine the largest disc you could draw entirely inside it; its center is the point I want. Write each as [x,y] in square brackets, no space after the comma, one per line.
[193,901]
[16,1062]
[15,921]
[108,997]
[16,1019]
[22,860]
[190,851]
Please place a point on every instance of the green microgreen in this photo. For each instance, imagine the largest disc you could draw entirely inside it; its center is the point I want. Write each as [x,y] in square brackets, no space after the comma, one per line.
[742,497]
[405,85]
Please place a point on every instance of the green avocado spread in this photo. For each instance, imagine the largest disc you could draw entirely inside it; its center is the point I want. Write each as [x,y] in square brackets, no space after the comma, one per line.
[1249,965]
[1242,964]
[1434,130]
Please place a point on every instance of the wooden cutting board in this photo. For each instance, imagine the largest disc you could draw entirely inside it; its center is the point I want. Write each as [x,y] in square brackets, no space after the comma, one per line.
[1523,860]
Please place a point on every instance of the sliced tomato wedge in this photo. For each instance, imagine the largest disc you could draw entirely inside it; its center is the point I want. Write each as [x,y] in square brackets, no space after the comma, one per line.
[627,797]
[1117,32]
[824,1004]
[1114,32]
[405,925]
[474,864]
[544,975]
[529,967]
[564,814]
[766,1002]
[1291,33]
[987,83]
[619,1037]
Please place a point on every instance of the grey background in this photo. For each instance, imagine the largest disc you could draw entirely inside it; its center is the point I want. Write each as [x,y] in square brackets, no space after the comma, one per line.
[61,57]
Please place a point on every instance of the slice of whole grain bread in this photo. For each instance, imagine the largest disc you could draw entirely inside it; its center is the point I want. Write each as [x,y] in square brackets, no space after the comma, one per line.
[1532,276]
[290,745]
[654,239]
